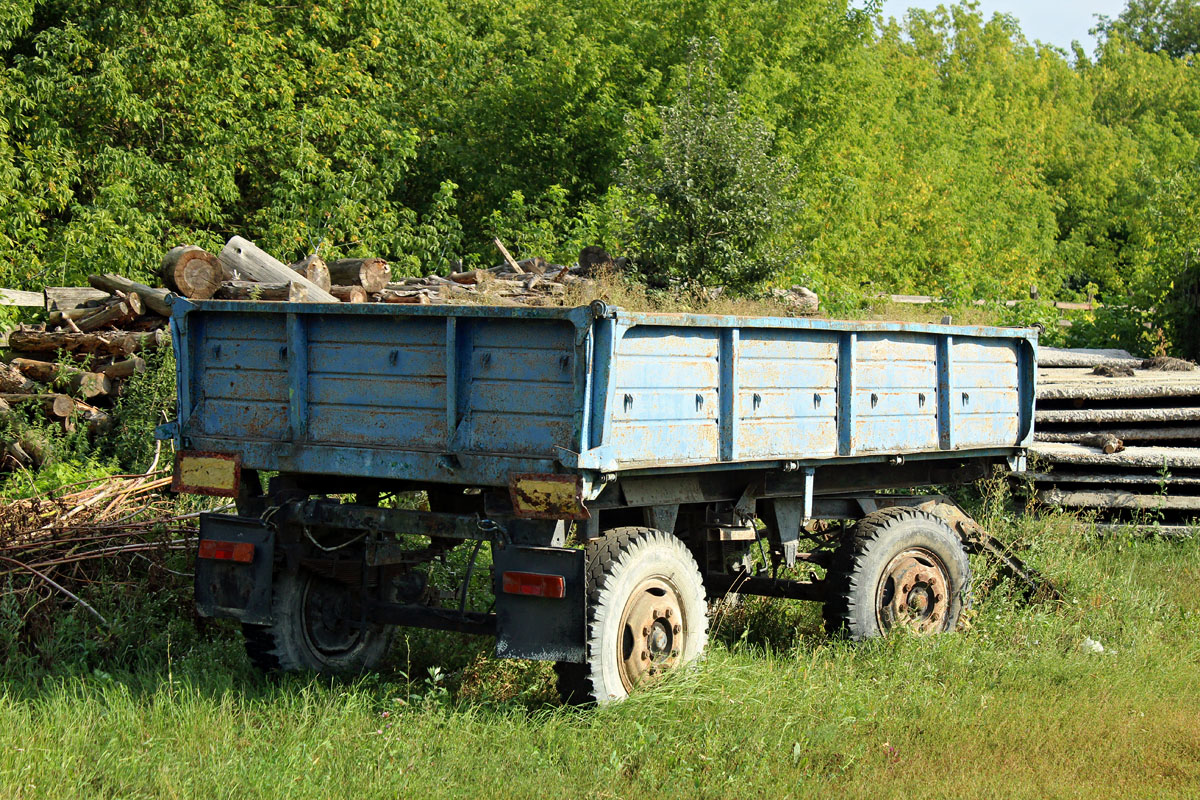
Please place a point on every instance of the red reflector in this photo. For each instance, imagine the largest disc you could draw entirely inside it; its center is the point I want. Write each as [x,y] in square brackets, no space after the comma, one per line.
[242,552]
[534,584]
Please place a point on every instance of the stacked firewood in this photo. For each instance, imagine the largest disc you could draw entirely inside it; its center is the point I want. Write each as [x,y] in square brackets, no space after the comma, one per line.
[71,367]
[244,272]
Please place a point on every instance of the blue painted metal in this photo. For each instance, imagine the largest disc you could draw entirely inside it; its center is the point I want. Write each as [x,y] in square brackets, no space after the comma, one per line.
[470,394]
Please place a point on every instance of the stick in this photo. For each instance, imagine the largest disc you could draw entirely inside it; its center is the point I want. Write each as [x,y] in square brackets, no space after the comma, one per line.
[507,257]
[57,586]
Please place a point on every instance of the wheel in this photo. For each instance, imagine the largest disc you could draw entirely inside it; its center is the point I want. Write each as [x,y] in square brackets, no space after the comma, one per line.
[646,614]
[316,629]
[900,566]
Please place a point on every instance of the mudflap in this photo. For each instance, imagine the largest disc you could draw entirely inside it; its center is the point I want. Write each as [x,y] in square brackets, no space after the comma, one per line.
[541,628]
[230,588]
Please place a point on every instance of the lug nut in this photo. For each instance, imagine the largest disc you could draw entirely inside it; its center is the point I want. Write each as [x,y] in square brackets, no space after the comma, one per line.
[645,631]
[667,613]
[645,655]
[676,628]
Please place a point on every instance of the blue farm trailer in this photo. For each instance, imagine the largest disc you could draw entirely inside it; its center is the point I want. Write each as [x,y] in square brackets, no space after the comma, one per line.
[619,465]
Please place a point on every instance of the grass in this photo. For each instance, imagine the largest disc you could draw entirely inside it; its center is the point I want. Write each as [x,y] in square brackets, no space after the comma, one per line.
[1012,706]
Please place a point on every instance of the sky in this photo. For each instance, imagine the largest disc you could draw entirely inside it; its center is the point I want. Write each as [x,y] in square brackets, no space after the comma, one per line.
[1056,22]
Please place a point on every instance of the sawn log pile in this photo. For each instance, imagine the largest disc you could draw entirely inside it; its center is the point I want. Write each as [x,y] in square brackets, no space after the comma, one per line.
[1119,436]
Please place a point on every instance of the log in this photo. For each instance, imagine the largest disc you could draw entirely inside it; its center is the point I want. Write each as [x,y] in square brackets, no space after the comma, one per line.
[72,379]
[155,299]
[1120,415]
[97,421]
[12,379]
[1083,357]
[57,406]
[114,315]
[16,297]
[371,274]
[246,261]
[65,319]
[1122,500]
[192,271]
[1186,433]
[350,294]
[123,369]
[412,298]
[315,269]
[64,298]
[116,343]
[1112,478]
[250,290]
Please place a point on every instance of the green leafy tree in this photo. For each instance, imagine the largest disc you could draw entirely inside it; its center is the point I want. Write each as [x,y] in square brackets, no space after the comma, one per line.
[1157,26]
[717,191]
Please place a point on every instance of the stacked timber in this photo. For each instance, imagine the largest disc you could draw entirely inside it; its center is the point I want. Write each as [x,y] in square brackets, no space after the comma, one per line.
[1118,435]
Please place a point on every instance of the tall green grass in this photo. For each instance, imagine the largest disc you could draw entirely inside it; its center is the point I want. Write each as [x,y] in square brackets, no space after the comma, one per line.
[1012,706]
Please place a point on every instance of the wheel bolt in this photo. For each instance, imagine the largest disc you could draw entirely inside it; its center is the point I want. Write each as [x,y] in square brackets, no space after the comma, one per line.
[676,628]
[645,631]
[937,598]
[645,655]
[667,613]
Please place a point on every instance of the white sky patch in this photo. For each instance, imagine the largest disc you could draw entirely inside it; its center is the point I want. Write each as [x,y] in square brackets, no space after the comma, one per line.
[1056,22]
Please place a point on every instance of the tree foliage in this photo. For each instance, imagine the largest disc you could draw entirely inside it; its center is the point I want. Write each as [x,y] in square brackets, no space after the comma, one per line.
[942,153]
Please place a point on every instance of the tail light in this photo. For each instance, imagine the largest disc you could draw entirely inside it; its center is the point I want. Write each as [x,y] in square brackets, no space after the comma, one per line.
[534,584]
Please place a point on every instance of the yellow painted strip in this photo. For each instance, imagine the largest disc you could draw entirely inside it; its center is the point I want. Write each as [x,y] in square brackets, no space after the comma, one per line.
[207,472]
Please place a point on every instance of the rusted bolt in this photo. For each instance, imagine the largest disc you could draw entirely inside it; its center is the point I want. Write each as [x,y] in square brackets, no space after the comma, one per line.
[645,631]
[906,588]
[937,598]
[676,628]
[645,655]
[667,613]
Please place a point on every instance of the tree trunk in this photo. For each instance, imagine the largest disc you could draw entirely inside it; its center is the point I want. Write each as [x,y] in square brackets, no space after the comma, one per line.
[117,343]
[123,369]
[155,299]
[77,381]
[12,379]
[350,294]
[410,297]
[113,315]
[56,406]
[371,274]
[245,260]
[250,290]
[64,298]
[192,271]
[314,268]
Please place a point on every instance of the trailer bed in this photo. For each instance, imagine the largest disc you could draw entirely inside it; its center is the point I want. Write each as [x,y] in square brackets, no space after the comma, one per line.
[471,395]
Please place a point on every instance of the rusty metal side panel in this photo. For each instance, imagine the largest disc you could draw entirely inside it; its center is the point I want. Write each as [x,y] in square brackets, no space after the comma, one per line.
[666,403]
[987,386]
[895,392]
[241,368]
[786,394]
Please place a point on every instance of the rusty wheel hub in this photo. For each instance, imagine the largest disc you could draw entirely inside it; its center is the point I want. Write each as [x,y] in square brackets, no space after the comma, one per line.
[652,631]
[914,590]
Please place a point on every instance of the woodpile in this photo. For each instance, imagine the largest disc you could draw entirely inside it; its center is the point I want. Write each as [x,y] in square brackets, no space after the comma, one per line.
[1119,436]
[71,367]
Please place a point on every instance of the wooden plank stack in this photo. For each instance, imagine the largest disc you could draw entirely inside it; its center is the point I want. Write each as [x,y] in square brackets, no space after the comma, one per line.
[1120,436]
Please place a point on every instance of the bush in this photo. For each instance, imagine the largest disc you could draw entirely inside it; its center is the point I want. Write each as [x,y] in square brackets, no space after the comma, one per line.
[714,190]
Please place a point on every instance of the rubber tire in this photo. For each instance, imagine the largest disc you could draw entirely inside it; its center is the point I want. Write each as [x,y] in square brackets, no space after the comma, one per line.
[284,647]
[616,563]
[858,565]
